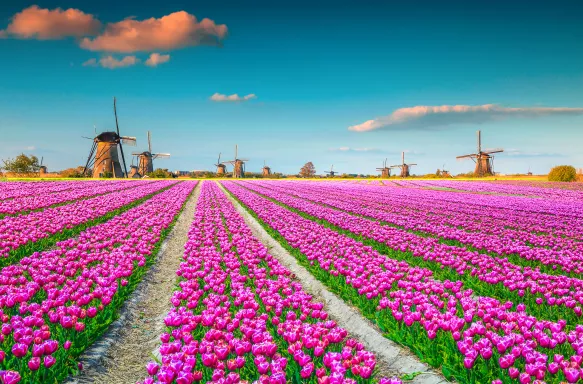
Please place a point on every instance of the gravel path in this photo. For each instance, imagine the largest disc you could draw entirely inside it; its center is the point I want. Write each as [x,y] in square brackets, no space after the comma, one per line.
[392,359]
[120,356]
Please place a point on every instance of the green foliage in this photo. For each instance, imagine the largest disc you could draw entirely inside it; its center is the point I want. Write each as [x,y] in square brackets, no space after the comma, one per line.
[563,173]
[161,174]
[73,172]
[22,165]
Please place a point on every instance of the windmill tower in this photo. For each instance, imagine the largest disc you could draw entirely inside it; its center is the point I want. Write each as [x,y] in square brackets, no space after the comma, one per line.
[266,171]
[483,159]
[221,168]
[42,169]
[385,171]
[331,172]
[103,157]
[404,166]
[146,159]
[238,165]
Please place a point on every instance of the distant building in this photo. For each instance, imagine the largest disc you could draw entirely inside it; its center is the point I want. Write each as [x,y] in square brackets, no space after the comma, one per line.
[181,173]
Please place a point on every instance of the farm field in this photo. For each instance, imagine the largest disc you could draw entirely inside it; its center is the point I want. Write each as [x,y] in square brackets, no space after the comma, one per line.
[467,281]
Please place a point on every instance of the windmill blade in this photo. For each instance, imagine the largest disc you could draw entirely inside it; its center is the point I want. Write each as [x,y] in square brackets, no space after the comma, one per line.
[160,155]
[120,143]
[136,153]
[410,165]
[243,159]
[90,138]
[496,150]
[91,152]
[219,160]
[41,161]
[128,140]
[466,156]
[149,142]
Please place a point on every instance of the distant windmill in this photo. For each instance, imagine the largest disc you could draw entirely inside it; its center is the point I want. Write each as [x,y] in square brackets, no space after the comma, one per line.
[385,171]
[331,172]
[103,157]
[529,172]
[483,159]
[444,173]
[238,165]
[221,168]
[266,171]
[403,166]
[146,160]
[42,169]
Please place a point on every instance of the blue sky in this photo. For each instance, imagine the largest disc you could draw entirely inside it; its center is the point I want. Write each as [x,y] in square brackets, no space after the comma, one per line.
[316,68]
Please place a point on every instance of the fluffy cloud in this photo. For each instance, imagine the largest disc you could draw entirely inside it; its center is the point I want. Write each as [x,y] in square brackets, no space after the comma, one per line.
[423,117]
[233,97]
[111,62]
[44,24]
[176,30]
[156,58]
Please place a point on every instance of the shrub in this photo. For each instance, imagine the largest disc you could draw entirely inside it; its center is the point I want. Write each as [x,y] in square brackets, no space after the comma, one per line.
[563,173]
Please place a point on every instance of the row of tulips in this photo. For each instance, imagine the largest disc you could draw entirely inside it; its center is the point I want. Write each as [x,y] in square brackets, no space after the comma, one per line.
[30,229]
[238,315]
[473,339]
[22,205]
[487,275]
[530,241]
[16,189]
[538,189]
[56,303]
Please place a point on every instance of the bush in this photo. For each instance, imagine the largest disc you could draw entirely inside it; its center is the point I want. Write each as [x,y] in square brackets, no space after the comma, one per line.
[563,173]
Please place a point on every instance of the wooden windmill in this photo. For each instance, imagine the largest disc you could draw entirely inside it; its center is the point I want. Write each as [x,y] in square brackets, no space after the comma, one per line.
[404,166]
[146,160]
[221,168]
[483,159]
[385,171]
[103,157]
[331,172]
[266,171]
[238,166]
[42,169]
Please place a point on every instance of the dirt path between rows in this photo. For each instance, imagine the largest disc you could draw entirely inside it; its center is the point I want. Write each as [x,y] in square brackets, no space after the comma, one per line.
[120,356]
[392,359]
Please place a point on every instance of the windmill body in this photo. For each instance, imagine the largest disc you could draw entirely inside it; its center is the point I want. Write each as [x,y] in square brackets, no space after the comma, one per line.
[238,166]
[404,167]
[146,160]
[266,171]
[221,168]
[385,171]
[42,170]
[483,159]
[104,154]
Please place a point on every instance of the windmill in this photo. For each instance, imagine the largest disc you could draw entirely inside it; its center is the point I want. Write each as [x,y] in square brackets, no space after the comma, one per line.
[403,166]
[385,171]
[331,172]
[103,157]
[444,173]
[529,172]
[42,169]
[221,168]
[238,166]
[146,160]
[483,159]
[266,171]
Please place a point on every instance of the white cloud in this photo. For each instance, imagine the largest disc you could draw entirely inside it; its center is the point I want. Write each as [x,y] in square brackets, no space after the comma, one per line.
[111,62]
[423,117]
[156,58]
[233,98]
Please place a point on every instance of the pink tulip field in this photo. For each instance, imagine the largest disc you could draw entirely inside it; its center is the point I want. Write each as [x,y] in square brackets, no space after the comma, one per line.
[482,281]
[485,286]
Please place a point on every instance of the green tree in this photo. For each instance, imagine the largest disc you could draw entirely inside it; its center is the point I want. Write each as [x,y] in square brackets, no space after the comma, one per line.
[160,173]
[563,173]
[22,165]
[308,170]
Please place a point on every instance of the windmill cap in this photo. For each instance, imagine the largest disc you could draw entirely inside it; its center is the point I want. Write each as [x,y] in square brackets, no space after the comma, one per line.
[109,137]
